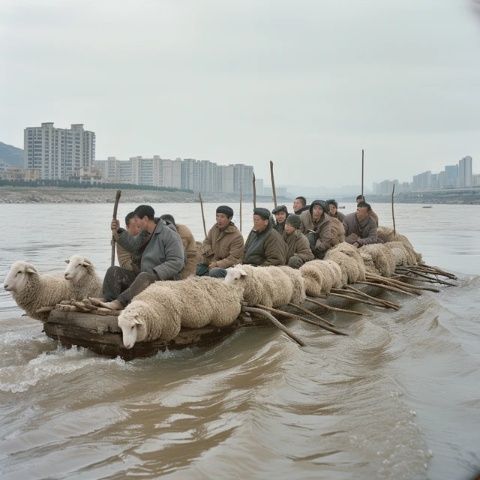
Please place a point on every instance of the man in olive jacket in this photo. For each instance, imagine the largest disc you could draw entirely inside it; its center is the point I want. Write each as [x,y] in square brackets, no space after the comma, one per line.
[298,246]
[162,258]
[223,246]
[264,245]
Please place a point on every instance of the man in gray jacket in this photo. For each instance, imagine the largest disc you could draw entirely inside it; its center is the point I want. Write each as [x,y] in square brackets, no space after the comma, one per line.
[162,258]
[360,227]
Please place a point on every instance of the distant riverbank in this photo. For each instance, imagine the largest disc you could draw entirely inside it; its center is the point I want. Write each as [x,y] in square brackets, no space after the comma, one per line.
[101,195]
[446,197]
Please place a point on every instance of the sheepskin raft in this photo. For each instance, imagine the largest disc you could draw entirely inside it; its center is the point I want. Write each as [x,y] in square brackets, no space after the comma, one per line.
[102,335]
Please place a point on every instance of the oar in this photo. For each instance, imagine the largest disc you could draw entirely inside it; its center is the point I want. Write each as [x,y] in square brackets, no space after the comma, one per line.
[115,209]
[303,319]
[278,324]
[333,309]
[387,303]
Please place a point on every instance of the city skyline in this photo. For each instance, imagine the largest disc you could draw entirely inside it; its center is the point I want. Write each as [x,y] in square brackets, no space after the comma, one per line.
[306,87]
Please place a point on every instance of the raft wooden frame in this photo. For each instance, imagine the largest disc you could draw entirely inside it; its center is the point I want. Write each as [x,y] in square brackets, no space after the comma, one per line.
[101,334]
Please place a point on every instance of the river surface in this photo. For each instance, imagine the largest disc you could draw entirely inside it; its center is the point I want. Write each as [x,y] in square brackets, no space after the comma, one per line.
[397,399]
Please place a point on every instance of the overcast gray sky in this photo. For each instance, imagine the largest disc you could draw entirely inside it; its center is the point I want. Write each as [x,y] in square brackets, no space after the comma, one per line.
[307,84]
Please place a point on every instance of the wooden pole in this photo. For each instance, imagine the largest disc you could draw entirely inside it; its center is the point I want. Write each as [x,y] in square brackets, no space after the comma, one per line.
[254,192]
[115,210]
[274,192]
[203,214]
[393,211]
[363,167]
[241,203]
[278,324]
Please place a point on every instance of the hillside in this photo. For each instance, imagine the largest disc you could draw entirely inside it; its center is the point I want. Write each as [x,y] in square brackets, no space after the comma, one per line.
[11,155]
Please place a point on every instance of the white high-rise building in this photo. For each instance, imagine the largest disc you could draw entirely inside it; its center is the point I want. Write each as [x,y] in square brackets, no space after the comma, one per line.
[59,153]
[465,176]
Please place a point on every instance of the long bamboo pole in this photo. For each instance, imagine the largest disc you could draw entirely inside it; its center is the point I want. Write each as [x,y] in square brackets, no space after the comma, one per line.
[393,211]
[203,214]
[274,192]
[363,167]
[254,190]
[115,210]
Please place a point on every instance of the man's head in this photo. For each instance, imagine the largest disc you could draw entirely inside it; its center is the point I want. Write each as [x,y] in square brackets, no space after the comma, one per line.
[317,209]
[292,223]
[360,198]
[332,207]
[280,213]
[261,219]
[299,203]
[223,216]
[132,225]
[144,214]
[363,210]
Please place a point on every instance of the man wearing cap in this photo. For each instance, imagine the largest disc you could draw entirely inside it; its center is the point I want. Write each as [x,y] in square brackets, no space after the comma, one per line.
[332,206]
[360,227]
[322,231]
[298,246]
[264,245]
[281,214]
[223,246]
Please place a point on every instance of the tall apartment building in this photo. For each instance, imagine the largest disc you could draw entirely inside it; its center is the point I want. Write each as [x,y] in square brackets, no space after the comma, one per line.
[465,176]
[59,153]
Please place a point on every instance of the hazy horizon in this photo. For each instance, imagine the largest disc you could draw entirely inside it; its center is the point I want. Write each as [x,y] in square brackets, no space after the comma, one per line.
[306,85]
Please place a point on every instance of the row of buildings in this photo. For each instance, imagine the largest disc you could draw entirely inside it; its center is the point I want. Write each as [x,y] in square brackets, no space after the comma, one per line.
[186,174]
[69,154]
[452,176]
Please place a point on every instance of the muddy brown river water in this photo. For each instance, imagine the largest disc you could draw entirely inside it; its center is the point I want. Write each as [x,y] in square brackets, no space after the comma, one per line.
[397,399]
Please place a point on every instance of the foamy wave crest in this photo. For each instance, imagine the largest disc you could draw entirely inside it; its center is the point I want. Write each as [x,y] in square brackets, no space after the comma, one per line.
[20,378]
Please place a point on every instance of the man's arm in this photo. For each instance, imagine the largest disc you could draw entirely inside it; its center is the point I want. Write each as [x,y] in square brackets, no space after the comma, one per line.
[371,234]
[235,256]
[302,249]
[327,238]
[275,250]
[174,256]
[206,248]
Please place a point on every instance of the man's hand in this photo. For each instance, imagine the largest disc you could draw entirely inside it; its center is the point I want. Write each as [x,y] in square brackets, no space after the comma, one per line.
[356,244]
[115,225]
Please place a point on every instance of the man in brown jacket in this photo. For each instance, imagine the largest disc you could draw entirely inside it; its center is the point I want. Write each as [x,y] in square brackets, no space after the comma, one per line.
[322,231]
[298,246]
[128,260]
[189,246]
[223,246]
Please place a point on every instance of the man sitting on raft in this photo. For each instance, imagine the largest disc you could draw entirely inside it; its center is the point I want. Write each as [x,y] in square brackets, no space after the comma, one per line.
[162,258]
[264,245]
[223,246]
[360,227]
